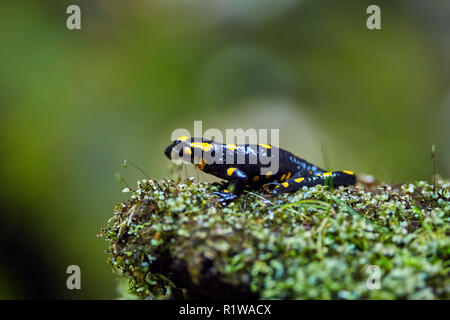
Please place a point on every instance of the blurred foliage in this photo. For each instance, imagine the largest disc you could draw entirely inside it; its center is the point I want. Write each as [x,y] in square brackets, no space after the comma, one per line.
[75,104]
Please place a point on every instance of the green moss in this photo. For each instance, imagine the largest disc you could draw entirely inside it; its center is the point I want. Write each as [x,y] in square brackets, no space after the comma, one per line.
[173,239]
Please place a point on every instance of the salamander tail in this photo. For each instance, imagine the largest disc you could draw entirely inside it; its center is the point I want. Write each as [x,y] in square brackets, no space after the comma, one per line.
[335,179]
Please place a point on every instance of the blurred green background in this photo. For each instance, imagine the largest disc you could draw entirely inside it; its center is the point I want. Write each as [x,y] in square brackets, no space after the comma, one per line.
[75,104]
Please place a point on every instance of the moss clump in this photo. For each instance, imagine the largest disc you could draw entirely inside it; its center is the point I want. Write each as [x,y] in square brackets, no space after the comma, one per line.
[175,240]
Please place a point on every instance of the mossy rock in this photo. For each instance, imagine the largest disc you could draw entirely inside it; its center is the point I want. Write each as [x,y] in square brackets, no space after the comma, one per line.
[172,239]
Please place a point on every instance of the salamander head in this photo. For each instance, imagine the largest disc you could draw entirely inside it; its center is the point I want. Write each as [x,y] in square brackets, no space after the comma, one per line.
[188,149]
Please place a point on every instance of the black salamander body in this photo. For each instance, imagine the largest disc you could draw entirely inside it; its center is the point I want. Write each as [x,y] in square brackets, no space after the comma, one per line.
[249,165]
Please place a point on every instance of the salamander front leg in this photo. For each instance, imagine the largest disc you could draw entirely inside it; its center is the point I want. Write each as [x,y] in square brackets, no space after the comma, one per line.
[238,180]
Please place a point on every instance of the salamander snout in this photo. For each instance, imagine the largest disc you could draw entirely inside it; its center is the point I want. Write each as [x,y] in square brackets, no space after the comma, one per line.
[168,152]
[176,149]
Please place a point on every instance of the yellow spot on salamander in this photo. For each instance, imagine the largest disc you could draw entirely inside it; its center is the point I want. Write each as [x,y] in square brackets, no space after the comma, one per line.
[277,187]
[202,164]
[265,146]
[231,146]
[187,151]
[230,171]
[255,178]
[325,174]
[285,184]
[226,190]
[348,172]
[283,177]
[202,145]
[288,176]
[299,180]
[183,138]
[268,174]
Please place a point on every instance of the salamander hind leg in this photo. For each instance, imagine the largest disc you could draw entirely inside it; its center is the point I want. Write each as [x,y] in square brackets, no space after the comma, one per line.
[335,178]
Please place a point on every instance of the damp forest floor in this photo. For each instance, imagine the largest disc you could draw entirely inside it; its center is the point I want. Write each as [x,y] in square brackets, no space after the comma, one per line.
[173,240]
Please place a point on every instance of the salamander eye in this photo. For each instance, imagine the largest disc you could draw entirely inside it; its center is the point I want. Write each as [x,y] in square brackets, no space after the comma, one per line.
[183,151]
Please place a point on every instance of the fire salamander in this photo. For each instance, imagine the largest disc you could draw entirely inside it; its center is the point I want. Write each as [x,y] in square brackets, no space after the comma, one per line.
[248,165]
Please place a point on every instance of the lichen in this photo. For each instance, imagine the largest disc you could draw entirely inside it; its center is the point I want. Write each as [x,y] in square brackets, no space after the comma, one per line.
[173,239]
